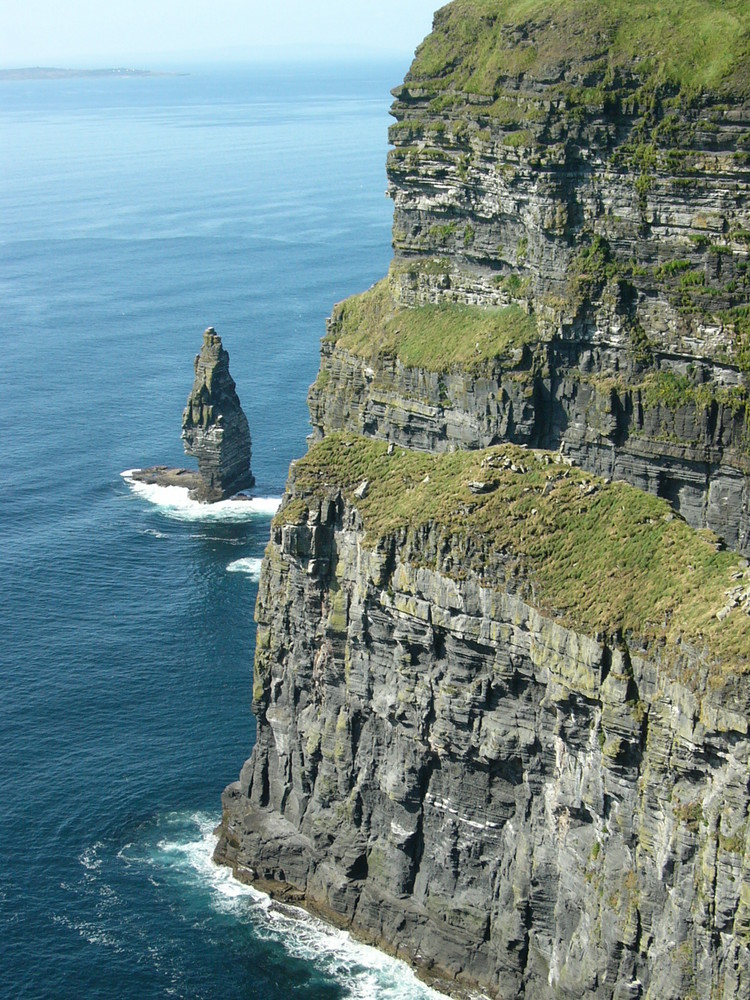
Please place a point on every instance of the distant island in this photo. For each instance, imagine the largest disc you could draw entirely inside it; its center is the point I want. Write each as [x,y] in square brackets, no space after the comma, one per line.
[56,73]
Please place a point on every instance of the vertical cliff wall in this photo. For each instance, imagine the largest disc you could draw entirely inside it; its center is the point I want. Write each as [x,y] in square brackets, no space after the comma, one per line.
[502,692]
[588,164]
[517,757]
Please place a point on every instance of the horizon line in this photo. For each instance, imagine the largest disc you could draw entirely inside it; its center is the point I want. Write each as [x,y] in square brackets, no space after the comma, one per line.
[157,62]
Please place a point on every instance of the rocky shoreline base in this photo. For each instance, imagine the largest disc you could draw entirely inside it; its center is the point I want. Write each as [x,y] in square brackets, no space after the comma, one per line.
[163,475]
[289,896]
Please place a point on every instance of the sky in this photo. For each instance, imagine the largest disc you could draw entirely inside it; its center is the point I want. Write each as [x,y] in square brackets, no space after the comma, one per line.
[149,33]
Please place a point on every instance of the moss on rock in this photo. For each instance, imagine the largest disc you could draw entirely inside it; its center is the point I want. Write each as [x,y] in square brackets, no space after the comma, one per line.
[433,337]
[690,45]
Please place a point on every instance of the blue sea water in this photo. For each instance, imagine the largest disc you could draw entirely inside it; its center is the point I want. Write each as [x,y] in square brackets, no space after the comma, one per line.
[134,213]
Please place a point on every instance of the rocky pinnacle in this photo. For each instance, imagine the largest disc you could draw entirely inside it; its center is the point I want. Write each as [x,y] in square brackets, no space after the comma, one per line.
[214,427]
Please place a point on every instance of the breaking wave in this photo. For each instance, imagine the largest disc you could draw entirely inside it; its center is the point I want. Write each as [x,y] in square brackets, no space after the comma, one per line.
[174,502]
[364,972]
[248,565]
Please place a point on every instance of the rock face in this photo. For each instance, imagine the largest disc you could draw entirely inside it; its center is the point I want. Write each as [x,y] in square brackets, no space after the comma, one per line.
[214,427]
[692,453]
[504,704]
[499,798]
[613,208]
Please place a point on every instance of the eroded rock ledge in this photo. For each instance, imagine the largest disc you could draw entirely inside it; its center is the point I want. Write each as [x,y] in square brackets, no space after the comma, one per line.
[683,441]
[455,772]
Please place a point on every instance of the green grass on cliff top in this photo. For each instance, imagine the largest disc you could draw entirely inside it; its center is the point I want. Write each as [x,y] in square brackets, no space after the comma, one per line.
[600,557]
[692,44]
[434,337]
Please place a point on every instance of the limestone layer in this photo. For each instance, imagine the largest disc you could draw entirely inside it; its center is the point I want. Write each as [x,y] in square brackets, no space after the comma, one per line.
[503,717]
[691,452]
[613,208]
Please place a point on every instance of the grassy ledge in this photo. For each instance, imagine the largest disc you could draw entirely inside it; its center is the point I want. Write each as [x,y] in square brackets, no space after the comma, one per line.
[602,558]
[436,337]
[692,45]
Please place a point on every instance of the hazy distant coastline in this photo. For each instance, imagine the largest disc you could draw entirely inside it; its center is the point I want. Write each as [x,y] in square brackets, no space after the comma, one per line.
[56,73]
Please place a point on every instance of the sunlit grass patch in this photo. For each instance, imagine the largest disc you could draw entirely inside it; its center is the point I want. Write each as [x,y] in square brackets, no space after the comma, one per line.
[433,337]
[602,557]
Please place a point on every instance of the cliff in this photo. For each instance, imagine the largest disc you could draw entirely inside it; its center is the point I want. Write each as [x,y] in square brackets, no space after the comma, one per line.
[501,674]
[449,764]
[586,164]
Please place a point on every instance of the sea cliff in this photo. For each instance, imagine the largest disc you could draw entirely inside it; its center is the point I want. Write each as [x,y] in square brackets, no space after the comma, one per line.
[587,164]
[501,675]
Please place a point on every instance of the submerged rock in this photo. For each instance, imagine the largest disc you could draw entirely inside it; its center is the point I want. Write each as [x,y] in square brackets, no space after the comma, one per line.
[214,427]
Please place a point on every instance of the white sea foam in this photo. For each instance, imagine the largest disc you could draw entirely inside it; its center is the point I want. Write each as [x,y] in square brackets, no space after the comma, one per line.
[249,565]
[90,857]
[154,533]
[205,537]
[94,892]
[365,972]
[174,502]
[91,932]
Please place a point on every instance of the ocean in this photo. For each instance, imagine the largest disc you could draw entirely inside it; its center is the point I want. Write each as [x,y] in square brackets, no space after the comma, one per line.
[135,212]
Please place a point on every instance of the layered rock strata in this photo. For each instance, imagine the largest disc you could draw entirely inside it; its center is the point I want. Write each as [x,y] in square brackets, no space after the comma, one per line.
[536,164]
[449,768]
[692,450]
[503,704]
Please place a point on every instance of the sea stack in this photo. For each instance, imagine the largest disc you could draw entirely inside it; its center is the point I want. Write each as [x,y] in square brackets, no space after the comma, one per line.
[215,430]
